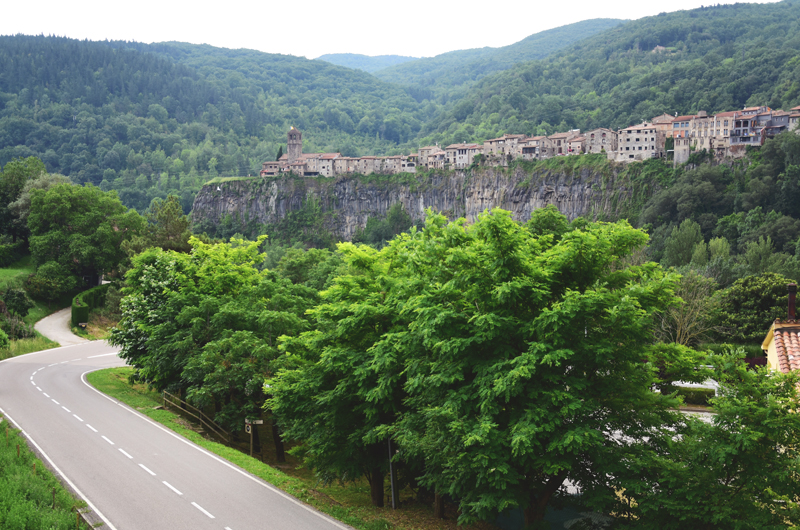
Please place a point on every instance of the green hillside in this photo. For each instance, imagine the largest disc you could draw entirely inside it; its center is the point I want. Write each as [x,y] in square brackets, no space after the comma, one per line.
[148,120]
[715,58]
[367,63]
[459,69]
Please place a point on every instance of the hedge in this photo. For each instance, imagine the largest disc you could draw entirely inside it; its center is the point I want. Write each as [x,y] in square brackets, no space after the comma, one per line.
[11,252]
[696,395]
[85,301]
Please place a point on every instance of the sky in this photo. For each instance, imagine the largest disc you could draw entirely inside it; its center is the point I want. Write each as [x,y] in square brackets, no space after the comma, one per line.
[310,28]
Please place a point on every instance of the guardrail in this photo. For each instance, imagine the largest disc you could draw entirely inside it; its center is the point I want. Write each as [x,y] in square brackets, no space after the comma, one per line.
[197,414]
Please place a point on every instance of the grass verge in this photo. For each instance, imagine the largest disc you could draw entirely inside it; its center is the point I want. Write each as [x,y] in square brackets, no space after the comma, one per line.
[348,503]
[23,346]
[99,326]
[30,495]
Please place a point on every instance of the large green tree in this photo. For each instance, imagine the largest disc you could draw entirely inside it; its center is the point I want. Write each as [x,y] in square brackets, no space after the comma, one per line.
[502,360]
[13,179]
[81,228]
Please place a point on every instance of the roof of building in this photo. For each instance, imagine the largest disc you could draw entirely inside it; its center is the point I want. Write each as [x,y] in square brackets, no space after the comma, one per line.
[329,156]
[664,118]
[561,135]
[684,118]
[638,127]
[728,114]
[578,139]
[787,346]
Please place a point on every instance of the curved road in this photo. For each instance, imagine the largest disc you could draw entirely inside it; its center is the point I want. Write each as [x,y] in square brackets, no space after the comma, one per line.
[133,472]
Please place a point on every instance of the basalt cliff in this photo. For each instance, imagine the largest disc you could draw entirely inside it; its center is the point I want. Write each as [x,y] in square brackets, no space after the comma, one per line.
[606,191]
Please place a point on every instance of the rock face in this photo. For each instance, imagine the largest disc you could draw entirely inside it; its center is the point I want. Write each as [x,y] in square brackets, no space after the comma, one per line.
[347,202]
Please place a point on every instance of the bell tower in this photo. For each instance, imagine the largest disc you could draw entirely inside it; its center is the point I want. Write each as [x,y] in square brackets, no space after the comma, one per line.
[294,145]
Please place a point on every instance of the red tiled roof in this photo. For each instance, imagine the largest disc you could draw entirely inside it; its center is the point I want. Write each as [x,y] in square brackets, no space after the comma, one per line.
[787,346]
[684,118]
[795,108]
[726,114]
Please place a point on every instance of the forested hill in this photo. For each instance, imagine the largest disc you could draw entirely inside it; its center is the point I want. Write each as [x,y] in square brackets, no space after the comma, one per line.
[365,62]
[458,69]
[149,120]
[714,59]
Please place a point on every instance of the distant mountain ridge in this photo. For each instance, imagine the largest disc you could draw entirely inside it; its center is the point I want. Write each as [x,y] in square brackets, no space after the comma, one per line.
[367,63]
[462,68]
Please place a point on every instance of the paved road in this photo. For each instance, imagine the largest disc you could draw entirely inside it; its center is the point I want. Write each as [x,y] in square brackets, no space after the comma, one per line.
[133,472]
[56,327]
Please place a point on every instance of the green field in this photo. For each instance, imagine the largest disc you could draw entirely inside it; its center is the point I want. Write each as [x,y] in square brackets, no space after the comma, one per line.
[31,498]
[14,276]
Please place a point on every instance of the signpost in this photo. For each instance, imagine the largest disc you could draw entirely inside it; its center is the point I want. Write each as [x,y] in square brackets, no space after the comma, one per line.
[249,430]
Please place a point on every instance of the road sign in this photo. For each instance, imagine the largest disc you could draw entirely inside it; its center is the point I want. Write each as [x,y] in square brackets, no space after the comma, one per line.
[253,422]
[247,429]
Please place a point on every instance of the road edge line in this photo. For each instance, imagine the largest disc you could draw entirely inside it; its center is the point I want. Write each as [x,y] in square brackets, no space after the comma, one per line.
[235,468]
[58,470]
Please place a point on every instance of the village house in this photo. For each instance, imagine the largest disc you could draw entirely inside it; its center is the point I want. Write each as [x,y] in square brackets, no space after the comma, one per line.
[601,140]
[497,150]
[782,343]
[461,156]
[640,142]
[576,146]
[663,124]
[794,118]
[560,141]
[536,148]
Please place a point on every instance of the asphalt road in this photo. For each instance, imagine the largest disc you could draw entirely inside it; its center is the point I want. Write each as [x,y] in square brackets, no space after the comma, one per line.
[134,473]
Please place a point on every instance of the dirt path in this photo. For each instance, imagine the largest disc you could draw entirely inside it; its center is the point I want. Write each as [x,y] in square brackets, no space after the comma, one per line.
[56,328]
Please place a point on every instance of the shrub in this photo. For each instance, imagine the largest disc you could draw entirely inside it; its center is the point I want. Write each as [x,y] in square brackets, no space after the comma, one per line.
[4,340]
[11,252]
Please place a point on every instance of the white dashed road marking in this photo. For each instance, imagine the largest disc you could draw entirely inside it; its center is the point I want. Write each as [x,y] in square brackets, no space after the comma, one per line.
[202,510]
[78,418]
[126,454]
[145,468]
[54,401]
[170,486]
[109,441]
[65,408]
[104,355]
[46,394]
[92,428]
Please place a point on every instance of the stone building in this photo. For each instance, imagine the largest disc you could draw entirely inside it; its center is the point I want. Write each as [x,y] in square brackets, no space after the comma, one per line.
[601,140]
[639,142]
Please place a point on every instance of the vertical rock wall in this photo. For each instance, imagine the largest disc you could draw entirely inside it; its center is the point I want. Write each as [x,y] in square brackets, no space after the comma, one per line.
[347,202]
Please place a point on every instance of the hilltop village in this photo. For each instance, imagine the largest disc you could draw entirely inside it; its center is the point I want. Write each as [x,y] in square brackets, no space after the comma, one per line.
[724,135]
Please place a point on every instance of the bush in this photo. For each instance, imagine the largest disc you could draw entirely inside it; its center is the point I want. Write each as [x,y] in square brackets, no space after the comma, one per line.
[18,302]
[750,305]
[15,328]
[11,252]
[4,340]
[696,396]
[84,302]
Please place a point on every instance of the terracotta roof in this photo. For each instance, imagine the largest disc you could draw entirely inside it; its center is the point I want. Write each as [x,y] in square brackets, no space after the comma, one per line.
[795,108]
[726,114]
[560,135]
[787,346]
[329,156]
[751,108]
[578,139]
[684,118]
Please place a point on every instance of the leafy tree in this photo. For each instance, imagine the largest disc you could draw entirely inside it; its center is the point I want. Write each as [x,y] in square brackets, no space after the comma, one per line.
[680,245]
[13,179]
[17,301]
[749,306]
[81,228]
[458,342]
[167,228]
[690,322]
[737,471]
[51,281]
[21,207]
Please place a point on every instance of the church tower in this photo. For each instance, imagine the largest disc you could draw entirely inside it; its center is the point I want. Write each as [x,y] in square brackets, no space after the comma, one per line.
[294,145]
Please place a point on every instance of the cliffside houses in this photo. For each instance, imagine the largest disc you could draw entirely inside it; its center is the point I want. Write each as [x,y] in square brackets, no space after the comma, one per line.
[726,134]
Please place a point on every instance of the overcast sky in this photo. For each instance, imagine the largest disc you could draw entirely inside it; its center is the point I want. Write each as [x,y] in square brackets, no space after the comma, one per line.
[313,27]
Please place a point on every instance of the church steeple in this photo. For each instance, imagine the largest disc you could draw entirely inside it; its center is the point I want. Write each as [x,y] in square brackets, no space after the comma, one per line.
[294,145]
